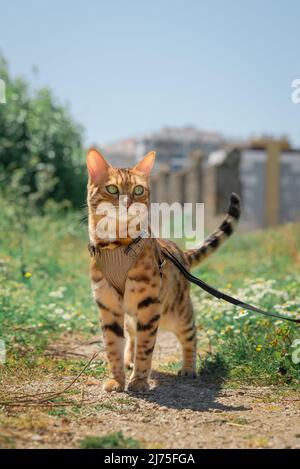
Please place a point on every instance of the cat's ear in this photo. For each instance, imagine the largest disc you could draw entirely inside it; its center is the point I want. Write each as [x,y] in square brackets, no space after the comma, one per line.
[146,164]
[97,166]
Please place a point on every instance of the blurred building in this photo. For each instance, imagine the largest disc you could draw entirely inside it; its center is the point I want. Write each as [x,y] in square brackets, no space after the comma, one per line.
[172,144]
[198,166]
[121,154]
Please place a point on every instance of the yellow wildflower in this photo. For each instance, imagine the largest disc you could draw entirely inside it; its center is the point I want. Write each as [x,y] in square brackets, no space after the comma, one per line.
[27,274]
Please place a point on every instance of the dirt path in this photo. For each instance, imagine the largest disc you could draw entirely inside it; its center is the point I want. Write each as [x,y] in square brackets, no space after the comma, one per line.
[174,414]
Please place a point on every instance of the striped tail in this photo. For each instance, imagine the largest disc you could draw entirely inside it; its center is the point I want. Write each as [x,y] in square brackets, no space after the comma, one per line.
[215,239]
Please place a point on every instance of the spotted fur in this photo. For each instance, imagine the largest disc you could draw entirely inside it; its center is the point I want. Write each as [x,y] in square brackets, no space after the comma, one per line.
[151,300]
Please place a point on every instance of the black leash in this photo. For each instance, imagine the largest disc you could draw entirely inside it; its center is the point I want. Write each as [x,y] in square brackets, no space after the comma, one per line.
[221,296]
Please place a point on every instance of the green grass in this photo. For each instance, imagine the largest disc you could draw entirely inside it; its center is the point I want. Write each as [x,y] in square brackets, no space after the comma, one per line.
[44,284]
[261,268]
[58,412]
[45,292]
[113,441]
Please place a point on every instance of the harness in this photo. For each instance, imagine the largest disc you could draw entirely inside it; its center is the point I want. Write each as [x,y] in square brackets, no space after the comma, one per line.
[116,263]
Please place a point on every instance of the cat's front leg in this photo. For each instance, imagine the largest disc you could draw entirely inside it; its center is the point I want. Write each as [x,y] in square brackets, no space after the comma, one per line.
[148,316]
[113,332]
[112,322]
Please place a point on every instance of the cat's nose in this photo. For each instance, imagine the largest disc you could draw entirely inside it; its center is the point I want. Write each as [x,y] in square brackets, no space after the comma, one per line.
[127,201]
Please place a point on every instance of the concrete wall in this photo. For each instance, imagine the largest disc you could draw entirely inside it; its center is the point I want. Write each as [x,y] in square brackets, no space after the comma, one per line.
[289,187]
[267,180]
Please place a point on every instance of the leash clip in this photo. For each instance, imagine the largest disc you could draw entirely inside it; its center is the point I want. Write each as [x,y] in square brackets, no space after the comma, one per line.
[143,234]
[91,249]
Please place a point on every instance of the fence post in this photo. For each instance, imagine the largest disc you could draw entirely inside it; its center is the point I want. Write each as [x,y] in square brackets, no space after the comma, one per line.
[153,188]
[272,184]
[162,191]
[177,186]
[209,195]
[194,178]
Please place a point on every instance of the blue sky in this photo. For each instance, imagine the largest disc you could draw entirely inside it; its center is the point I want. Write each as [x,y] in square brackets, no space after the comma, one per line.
[132,66]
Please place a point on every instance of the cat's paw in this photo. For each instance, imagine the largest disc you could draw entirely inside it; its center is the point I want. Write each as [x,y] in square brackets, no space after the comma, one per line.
[138,385]
[113,385]
[187,373]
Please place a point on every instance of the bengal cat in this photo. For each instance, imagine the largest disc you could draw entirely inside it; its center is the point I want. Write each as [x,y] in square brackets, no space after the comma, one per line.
[151,299]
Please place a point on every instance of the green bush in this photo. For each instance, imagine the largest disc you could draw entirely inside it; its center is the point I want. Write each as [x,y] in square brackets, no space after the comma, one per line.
[41,152]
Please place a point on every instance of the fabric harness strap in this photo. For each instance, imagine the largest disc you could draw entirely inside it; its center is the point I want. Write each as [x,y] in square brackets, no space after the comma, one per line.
[115,263]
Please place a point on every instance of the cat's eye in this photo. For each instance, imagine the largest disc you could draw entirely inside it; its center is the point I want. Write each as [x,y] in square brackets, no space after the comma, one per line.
[138,190]
[112,189]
